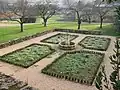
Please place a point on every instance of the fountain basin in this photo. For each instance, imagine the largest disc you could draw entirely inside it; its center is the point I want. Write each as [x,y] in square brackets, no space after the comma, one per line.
[65,46]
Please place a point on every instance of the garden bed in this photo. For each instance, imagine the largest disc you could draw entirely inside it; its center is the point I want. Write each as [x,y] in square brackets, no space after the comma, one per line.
[55,39]
[10,83]
[78,66]
[97,43]
[27,56]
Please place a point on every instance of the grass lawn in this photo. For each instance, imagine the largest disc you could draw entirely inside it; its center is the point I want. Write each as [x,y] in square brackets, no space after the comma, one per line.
[11,32]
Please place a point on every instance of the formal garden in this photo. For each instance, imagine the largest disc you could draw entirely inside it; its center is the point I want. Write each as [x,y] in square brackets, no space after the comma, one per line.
[59,45]
[78,64]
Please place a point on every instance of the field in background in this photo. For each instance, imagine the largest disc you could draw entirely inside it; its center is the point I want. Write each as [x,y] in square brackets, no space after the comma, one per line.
[11,32]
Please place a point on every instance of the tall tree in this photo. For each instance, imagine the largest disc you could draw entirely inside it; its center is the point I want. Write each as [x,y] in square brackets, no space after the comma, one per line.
[101,9]
[78,7]
[88,11]
[46,9]
[17,11]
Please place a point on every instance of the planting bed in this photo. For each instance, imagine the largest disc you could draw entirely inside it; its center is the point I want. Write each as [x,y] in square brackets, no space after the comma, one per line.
[27,56]
[58,38]
[9,83]
[78,66]
[97,43]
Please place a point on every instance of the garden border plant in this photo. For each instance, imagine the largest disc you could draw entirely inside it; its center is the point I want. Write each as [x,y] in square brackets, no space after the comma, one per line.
[67,77]
[45,40]
[18,40]
[94,48]
[52,50]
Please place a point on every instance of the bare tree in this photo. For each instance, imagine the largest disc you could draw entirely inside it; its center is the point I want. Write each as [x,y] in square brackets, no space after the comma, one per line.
[101,9]
[78,7]
[88,11]
[17,11]
[46,9]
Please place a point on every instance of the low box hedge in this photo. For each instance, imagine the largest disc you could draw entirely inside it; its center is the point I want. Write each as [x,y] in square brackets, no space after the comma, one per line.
[92,32]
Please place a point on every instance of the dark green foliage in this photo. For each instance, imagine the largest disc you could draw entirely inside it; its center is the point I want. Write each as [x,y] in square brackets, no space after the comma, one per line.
[117,18]
[78,66]
[109,1]
[114,77]
[96,43]
[116,86]
[27,56]
[98,81]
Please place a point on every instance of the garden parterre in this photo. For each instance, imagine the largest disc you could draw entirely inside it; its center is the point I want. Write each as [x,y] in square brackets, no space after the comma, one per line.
[27,56]
[78,66]
[95,43]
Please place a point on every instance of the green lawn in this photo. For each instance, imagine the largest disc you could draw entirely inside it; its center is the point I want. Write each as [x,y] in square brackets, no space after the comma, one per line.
[12,32]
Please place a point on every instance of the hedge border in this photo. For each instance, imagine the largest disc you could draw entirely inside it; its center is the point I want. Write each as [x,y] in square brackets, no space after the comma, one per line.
[44,40]
[94,32]
[109,40]
[52,51]
[74,79]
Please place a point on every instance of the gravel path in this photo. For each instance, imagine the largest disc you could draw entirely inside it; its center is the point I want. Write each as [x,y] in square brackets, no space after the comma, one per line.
[33,74]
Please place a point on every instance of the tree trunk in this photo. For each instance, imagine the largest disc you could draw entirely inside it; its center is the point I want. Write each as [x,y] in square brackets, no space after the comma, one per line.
[21,25]
[101,22]
[45,22]
[78,26]
[79,23]
[89,20]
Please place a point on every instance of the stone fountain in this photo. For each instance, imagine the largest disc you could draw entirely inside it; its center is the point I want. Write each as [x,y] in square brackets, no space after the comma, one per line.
[67,44]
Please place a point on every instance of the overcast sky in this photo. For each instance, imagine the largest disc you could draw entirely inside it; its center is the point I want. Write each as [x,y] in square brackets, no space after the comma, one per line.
[38,0]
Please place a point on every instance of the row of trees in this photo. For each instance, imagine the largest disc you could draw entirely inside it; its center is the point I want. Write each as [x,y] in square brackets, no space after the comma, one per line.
[90,9]
[22,9]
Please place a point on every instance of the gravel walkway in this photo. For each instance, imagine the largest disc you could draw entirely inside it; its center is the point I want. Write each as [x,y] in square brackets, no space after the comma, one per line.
[33,74]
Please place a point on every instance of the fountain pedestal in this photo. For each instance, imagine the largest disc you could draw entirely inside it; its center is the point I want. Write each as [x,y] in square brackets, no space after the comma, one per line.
[65,46]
